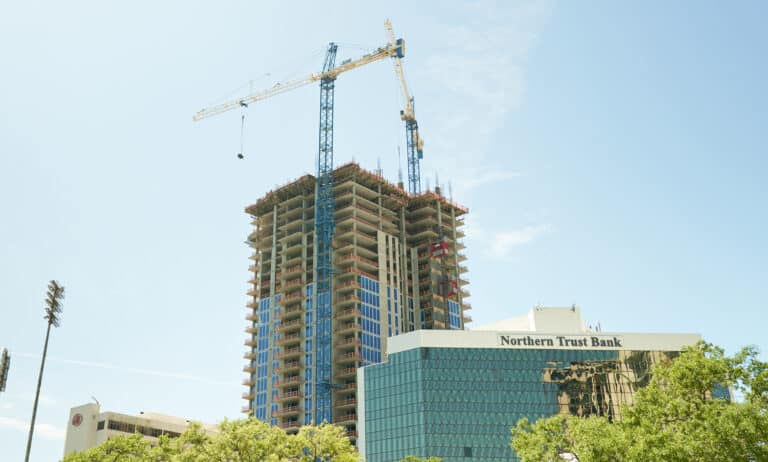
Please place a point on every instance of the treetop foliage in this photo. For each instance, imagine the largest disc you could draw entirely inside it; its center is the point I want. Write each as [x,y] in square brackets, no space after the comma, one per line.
[237,441]
[247,440]
[682,415]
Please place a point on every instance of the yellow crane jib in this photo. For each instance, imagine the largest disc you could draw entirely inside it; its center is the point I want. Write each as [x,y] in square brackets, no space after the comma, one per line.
[394,49]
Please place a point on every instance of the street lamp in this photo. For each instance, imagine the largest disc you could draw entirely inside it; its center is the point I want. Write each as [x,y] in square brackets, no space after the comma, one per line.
[52,311]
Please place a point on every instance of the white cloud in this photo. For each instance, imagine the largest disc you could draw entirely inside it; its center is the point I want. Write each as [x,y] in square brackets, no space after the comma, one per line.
[502,243]
[491,176]
[47,431]
[473,229]
[46,399]
[460,183]
[132,370]
[43,400]
[477,78]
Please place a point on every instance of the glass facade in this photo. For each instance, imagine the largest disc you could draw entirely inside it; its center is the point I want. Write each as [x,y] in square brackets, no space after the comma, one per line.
[454,315]
[275,362]
[261,363]
[459,404]
[370,321]
[309,324]
[411,317]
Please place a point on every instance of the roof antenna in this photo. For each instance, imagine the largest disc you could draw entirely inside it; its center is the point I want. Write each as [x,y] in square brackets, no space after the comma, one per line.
[450,191]
[379,171]
[437,184]
[399,169]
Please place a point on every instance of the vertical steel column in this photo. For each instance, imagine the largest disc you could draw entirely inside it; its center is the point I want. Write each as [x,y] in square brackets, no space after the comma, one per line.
[270,321]
[324,223]
[414,173]
[456,268]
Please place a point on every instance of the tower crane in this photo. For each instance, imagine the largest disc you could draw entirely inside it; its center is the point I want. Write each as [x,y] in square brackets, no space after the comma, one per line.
[414,143]
[393,49]
[324,204]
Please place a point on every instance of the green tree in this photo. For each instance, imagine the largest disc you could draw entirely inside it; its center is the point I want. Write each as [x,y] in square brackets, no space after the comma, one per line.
[678,417]
[324,442]
[237,441]
[131,448]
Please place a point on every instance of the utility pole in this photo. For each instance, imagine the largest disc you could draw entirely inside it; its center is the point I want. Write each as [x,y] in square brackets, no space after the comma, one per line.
[52,311]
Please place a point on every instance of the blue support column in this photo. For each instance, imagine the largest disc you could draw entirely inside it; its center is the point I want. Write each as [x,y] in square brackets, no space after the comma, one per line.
[324,223]
[414,173]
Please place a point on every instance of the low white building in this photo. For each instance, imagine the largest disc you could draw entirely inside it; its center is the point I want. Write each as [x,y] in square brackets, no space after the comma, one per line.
[89,427]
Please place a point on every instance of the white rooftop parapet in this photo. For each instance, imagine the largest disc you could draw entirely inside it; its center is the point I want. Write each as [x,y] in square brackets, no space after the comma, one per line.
[542,327]
[542,319]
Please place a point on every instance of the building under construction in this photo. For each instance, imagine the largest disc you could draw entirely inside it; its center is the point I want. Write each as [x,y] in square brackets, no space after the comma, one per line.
[397,267]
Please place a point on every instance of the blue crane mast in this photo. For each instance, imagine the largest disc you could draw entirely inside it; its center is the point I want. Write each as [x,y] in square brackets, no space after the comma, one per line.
[324,223]
[414,152]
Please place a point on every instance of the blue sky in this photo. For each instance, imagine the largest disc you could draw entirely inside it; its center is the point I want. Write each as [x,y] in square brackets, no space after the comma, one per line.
[611,154]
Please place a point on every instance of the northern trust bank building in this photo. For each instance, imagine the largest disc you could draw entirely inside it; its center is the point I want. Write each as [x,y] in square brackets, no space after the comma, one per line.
[456,394]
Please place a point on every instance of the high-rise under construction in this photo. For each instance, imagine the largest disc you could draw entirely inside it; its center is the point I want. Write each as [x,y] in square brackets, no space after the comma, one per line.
[397,267]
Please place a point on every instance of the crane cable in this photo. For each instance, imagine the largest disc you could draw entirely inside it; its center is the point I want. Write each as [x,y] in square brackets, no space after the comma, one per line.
[243,106]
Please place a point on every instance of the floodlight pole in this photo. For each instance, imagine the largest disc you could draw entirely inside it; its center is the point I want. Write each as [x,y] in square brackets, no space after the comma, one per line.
[52,311]
[5,365]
